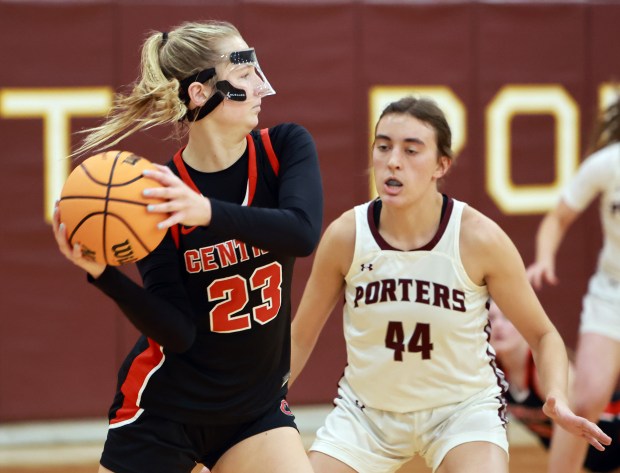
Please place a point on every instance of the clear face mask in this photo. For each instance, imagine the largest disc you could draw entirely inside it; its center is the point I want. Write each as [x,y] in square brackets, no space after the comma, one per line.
[244,76]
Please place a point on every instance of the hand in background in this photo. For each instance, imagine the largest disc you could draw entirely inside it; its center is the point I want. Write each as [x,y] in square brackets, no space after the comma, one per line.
[541,272]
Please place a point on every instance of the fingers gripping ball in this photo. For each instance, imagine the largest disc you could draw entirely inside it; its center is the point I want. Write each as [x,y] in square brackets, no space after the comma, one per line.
[102,206]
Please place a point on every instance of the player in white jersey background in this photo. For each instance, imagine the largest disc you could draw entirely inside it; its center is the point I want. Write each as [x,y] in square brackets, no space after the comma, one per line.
[417,269]
[597,364]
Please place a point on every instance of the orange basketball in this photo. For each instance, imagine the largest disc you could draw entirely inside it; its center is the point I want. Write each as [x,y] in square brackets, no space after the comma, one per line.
[102,206]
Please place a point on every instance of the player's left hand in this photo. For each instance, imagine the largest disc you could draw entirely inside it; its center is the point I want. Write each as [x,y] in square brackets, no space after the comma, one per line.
[184,204]
[561,414]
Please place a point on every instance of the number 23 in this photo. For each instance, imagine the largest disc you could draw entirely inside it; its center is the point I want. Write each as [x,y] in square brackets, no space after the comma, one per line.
[233,294]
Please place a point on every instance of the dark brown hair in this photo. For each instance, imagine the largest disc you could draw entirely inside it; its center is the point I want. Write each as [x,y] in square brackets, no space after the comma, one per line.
[427,111]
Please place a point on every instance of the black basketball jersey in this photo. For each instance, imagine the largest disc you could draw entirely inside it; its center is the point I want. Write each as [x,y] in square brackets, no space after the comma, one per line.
[528,410]
[230,282]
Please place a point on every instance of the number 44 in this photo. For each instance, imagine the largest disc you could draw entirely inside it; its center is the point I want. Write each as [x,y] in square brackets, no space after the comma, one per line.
[420,341]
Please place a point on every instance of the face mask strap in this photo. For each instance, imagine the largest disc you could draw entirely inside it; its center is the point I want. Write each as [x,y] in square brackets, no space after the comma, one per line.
[202,77]
[230,91]
[225,90]
[201,112]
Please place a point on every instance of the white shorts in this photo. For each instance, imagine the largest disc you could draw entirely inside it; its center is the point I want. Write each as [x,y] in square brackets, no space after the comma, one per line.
[601,307]
[371,440]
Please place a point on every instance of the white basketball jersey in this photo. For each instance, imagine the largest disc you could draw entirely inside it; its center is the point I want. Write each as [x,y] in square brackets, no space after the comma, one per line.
[416,326]
[599,174]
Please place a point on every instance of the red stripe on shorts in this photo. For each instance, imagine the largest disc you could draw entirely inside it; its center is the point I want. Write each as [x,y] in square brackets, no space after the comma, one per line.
[613,408]
[143,366]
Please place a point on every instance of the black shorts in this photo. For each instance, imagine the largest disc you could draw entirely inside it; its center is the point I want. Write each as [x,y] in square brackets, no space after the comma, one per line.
[159,445]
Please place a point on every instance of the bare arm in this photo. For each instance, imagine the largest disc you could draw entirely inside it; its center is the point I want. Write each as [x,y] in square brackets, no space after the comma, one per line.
[548,239]
[323,289]
[490,257]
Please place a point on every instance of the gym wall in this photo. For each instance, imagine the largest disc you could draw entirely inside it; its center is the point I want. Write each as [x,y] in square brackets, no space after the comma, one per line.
[521,83]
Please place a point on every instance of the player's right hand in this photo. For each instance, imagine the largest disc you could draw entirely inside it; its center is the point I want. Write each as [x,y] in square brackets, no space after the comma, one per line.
[73,254]
[184,205]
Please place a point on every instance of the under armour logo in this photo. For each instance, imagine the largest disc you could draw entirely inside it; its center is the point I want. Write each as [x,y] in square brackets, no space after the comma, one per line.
[360,405]
[366,266]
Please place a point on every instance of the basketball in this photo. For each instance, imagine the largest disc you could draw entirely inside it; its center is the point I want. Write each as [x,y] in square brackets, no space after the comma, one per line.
[102,206]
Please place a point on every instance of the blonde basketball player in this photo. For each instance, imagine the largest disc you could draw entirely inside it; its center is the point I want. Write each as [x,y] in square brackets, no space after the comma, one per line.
[417,269]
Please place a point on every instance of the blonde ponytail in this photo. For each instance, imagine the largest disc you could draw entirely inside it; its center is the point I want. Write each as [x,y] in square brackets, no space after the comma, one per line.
[154,99]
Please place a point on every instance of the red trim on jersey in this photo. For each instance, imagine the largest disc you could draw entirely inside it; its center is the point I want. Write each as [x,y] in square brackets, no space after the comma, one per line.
[174,231]
[252,173]
[138,375]
[183,172]
[273,159]
[180,165]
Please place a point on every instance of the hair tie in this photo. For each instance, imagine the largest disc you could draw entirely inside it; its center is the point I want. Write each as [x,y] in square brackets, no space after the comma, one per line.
[164,38]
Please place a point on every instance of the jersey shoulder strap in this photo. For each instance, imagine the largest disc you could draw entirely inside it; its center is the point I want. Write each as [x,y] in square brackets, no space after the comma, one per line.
[273,159]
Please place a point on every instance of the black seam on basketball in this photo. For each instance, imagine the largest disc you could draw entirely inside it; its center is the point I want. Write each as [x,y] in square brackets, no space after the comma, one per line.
[81,197]
[130,228]
[109,183]
[124,201]
[105,207]
[97,195]
[80,223]
[92,178]
[126,183]
[114,200]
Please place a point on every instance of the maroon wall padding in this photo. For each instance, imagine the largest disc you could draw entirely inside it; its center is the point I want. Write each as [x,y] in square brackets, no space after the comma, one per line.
[61,341]
[536,44]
